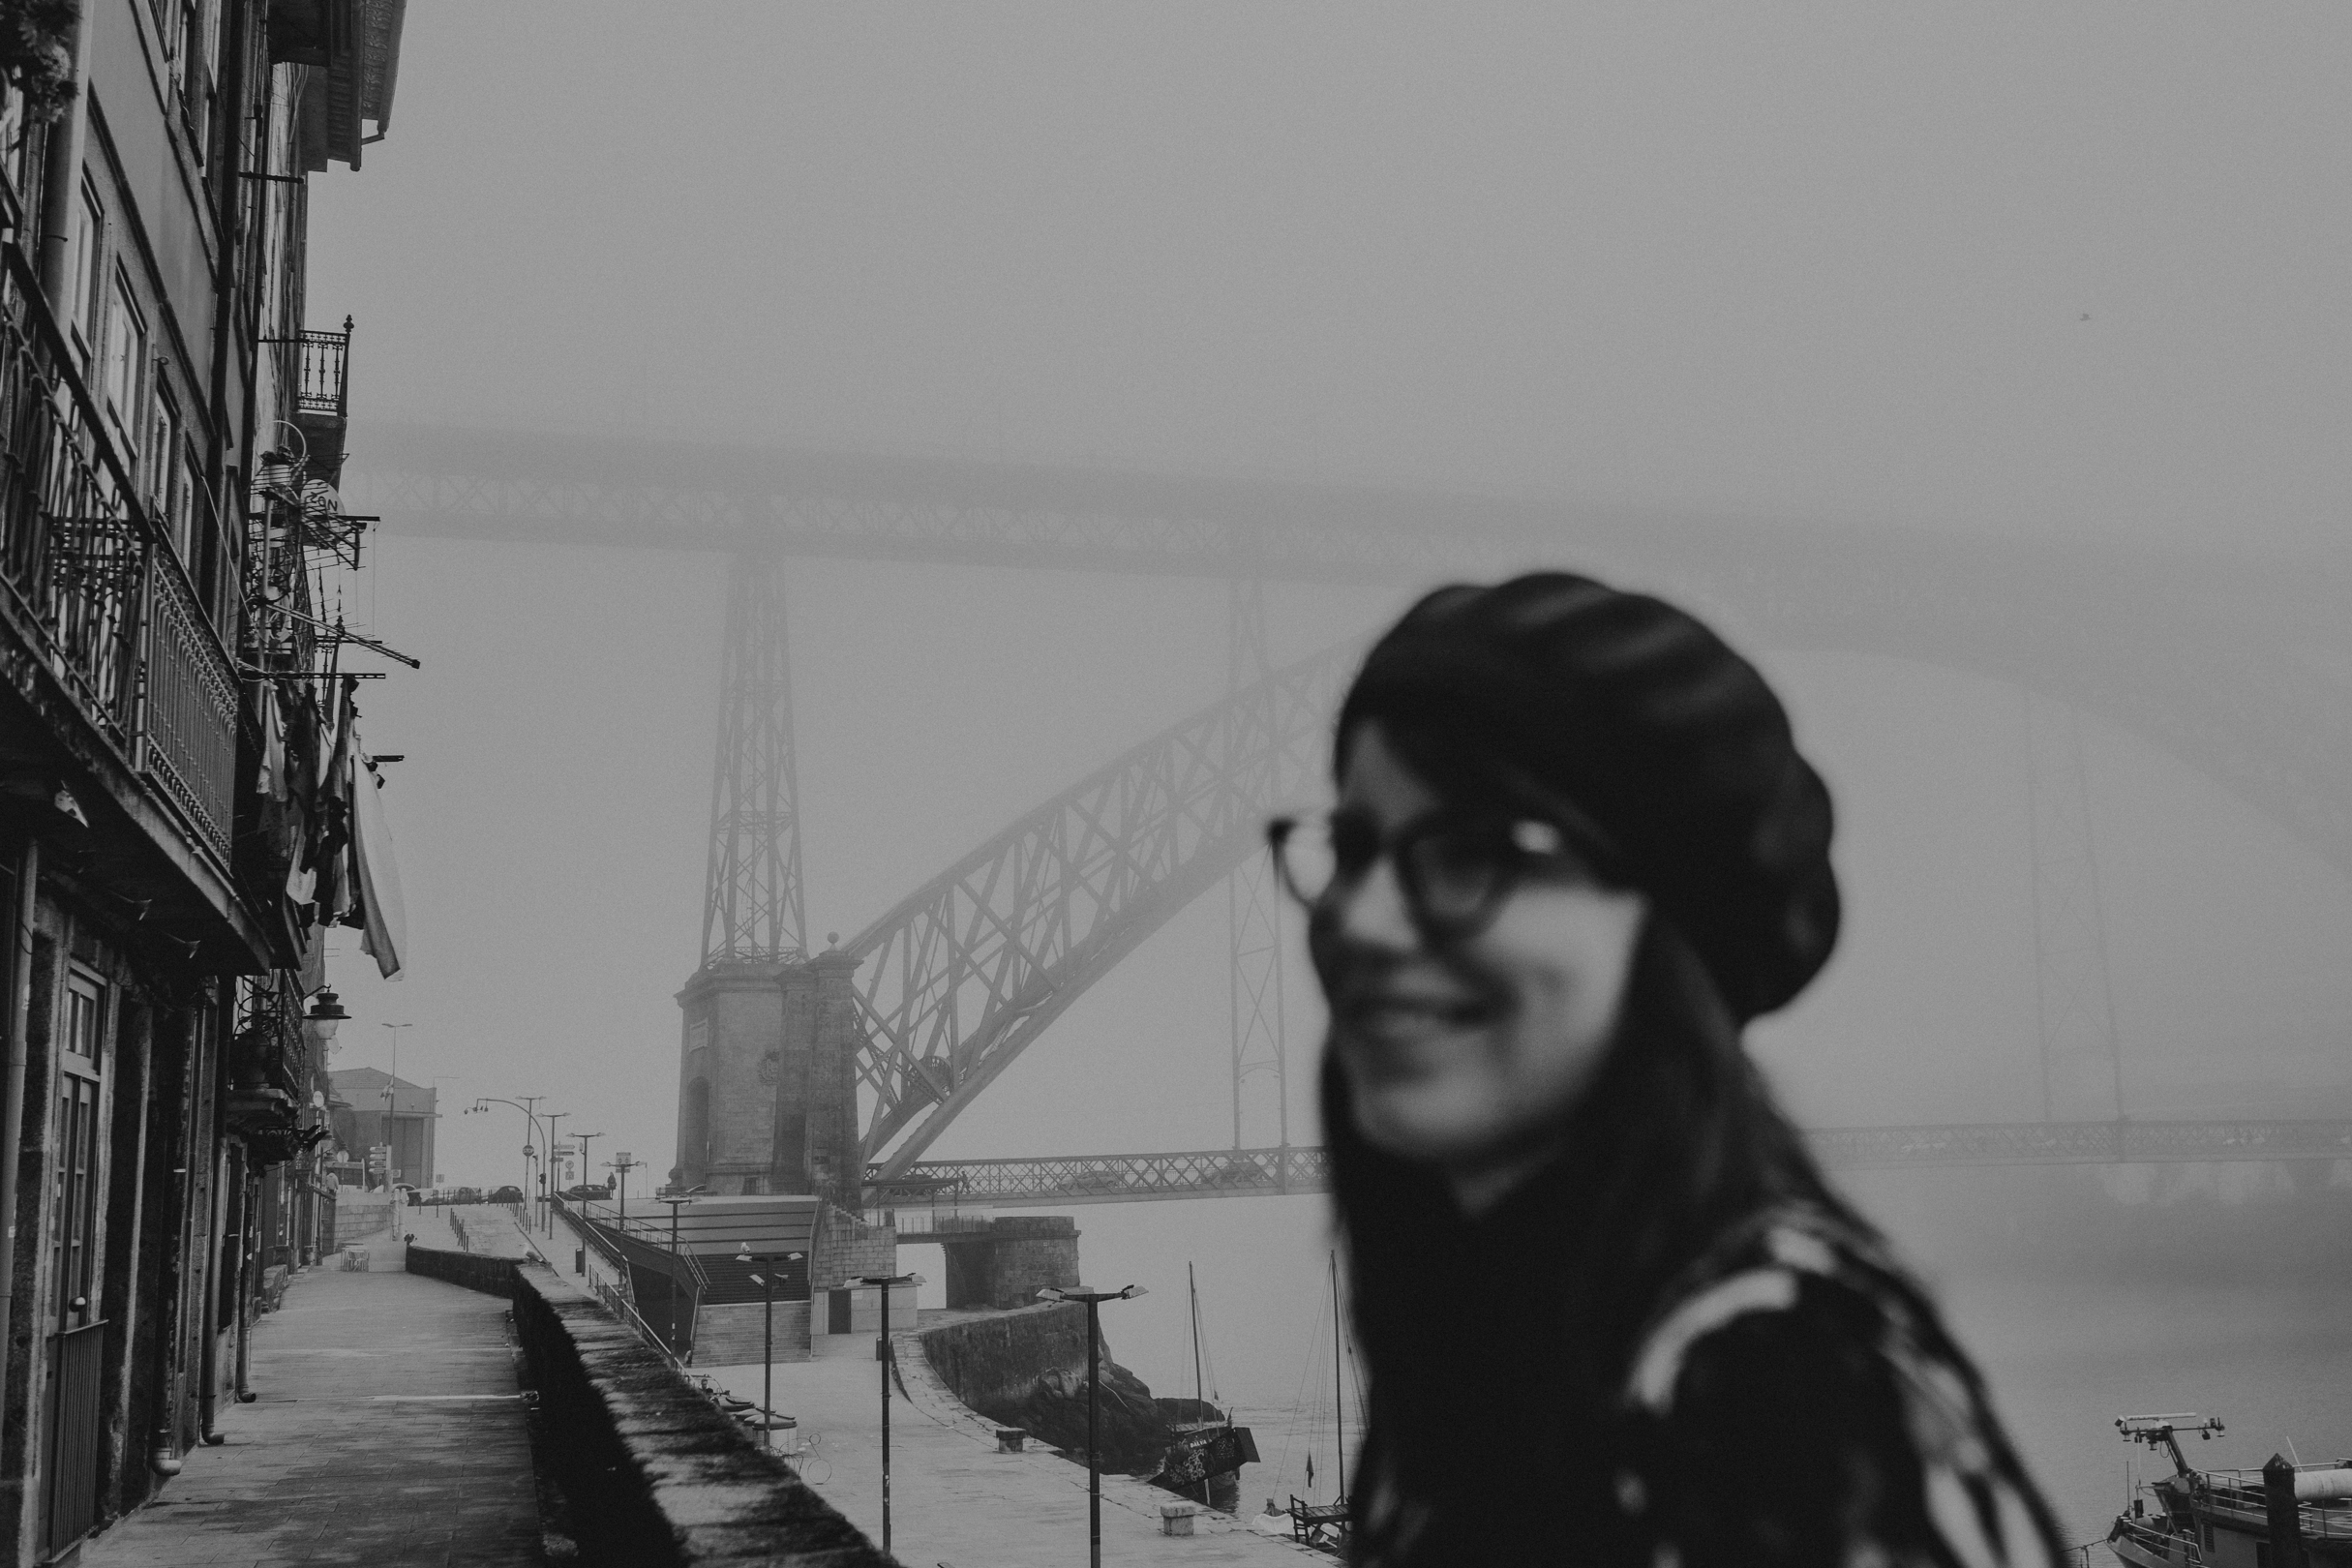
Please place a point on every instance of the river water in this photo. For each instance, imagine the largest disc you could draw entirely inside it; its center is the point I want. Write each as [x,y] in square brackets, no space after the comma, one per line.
[2080,1305]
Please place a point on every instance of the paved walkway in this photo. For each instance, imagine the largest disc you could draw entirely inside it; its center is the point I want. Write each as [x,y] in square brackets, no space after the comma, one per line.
[387,1432]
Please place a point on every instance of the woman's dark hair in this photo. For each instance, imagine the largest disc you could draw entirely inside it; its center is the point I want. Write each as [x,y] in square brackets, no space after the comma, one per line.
[1676,1137]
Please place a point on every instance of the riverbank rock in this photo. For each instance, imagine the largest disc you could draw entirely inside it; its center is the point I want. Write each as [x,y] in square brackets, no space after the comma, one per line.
[1134,1435]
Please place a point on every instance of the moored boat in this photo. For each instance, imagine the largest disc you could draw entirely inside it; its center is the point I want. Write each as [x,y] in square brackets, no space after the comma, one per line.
[2283,1514]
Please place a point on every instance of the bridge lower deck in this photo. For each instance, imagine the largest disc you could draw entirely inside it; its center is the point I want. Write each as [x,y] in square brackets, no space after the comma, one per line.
[1062,1180]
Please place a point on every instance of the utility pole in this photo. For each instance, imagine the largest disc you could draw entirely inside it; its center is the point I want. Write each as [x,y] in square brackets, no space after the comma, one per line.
[547,1167]
[531,1114]
[392,1109]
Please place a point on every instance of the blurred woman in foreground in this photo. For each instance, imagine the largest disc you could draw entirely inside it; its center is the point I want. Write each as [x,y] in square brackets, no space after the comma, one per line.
[1610,1310]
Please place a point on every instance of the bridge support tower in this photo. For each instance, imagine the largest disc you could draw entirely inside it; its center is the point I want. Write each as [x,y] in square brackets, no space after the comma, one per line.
[768,1069]
[767,1079]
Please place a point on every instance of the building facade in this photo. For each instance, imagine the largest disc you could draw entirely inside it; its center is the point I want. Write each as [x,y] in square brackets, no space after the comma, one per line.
[184,798]
[374,1111]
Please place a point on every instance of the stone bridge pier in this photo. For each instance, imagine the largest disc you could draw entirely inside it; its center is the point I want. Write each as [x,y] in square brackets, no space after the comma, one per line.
[767,1079]
[1004,1261]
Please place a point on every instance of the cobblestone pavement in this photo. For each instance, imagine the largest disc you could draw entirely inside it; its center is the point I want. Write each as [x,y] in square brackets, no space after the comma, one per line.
[387,1432]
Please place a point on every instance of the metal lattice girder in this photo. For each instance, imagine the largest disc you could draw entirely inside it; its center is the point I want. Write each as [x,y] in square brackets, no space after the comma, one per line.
[2081,1143]
[751,909]
[1117,1178]
[966,972]
[1252,900]
[1068,1179]
[2082,1064]
[2230,662]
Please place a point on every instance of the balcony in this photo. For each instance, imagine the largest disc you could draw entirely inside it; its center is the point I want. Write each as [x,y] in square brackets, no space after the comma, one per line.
[315,368]
[89,592]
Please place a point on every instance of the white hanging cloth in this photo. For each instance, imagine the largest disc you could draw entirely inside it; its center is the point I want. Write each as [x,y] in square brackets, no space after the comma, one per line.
[386,937]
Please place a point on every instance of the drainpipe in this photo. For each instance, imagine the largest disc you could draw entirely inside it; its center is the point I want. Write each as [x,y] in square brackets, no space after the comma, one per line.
[61,177]
[12,1097]
[249,1203]
[171,1296]
[227,161]
[209,1363]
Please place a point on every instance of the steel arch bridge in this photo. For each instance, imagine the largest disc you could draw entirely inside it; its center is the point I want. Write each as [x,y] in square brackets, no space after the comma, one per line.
[2240,669]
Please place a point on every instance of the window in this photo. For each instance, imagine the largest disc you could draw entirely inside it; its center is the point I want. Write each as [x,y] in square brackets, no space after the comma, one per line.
[163,453]
[74,1192]
[83,1017]
[199,40]
[168,18]
[187,497]
[14,148]
[88,275]
[126,365]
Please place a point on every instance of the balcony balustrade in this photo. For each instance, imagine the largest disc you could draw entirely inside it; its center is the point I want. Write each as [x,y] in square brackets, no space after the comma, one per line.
[89,586]
[314,367]
[321,359]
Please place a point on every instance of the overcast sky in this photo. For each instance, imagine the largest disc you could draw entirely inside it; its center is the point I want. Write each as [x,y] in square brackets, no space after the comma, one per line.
[1993,271]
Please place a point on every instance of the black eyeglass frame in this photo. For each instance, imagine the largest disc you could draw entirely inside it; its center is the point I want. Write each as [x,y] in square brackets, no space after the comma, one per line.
[1515,844]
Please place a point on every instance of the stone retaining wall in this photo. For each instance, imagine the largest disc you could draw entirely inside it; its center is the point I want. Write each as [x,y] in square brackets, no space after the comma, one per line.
[992,1364]
[652,1474]
[491,1276]
[733,1334]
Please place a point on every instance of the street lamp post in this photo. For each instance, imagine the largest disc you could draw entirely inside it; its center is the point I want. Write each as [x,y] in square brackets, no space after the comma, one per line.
[881,1353]
[1094,1300]
[582,1140]
[624,1163]
[676,1201]
[547,1208]
[531,1111]
[766,1280]
[531,1130]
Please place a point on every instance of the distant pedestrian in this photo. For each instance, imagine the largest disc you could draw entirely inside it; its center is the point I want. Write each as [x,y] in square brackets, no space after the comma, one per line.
[1610,1310]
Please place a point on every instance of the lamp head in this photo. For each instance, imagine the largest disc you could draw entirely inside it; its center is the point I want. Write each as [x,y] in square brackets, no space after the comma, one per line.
[326,1012]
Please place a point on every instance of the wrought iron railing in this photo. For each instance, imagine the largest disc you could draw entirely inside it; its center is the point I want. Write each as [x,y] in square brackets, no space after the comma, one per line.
[1130,1178]
[189,729]
[110,616]
[73,544]
[319,362]
[77,1425]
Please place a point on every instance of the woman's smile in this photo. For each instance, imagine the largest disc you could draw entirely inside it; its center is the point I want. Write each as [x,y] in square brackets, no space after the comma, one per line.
[1402,1023]
[1455,1053]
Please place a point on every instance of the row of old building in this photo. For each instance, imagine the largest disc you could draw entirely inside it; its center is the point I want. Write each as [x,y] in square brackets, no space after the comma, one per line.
[185,799]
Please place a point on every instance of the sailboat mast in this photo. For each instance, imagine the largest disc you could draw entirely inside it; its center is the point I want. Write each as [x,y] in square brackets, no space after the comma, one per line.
[1193,1290]
[1339,1393]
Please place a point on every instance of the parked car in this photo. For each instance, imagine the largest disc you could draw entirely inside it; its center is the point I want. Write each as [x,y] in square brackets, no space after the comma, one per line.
[509,1193]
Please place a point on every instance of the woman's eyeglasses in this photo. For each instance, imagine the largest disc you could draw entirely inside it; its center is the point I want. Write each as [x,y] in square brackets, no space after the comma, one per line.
[1455,872]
